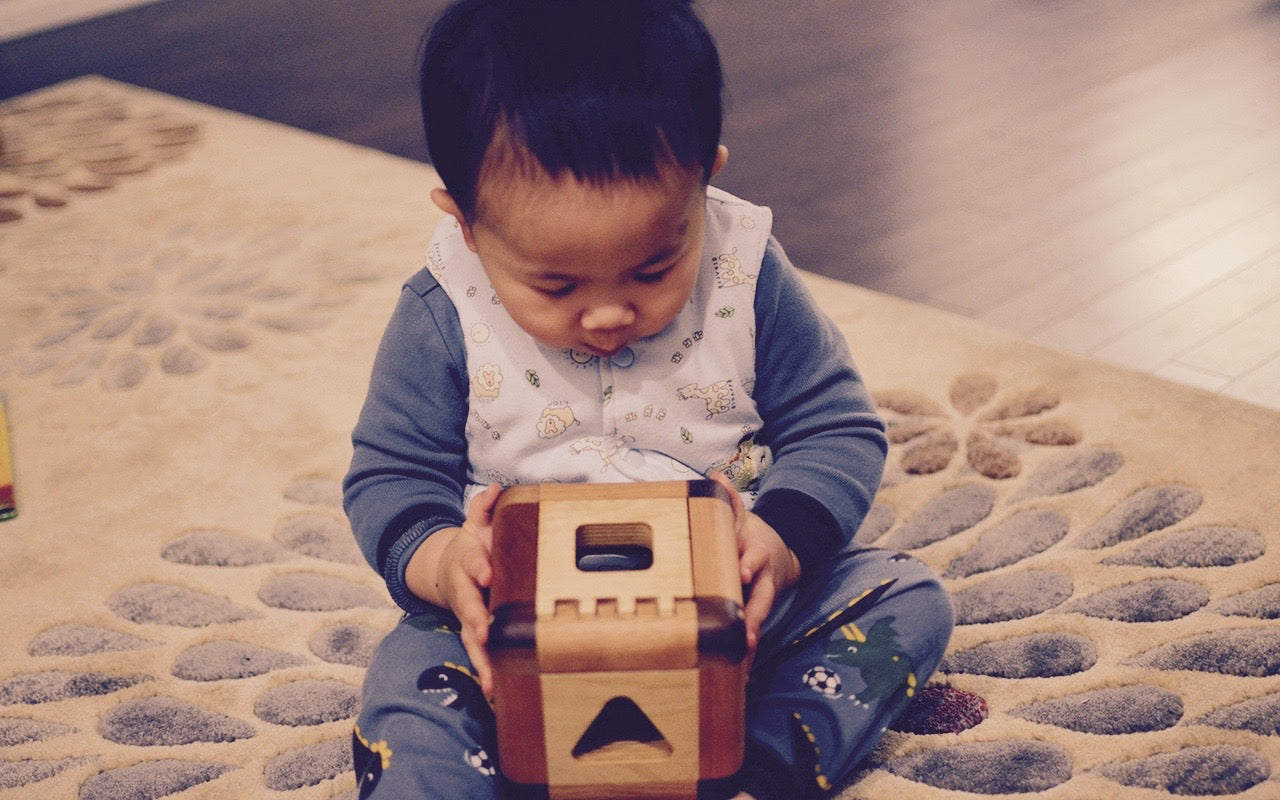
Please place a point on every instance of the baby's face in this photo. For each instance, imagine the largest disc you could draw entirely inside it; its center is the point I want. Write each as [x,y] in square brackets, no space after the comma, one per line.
[592,268]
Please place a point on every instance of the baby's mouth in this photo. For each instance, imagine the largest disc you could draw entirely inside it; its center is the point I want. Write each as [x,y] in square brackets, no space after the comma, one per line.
[604,352]
[607,346]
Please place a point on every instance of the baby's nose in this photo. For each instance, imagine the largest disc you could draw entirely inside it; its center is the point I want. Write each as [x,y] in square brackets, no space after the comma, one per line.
[608,317]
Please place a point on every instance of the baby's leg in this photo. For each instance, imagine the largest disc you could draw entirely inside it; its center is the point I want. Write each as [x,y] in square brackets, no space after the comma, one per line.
[832,673]
[425,730]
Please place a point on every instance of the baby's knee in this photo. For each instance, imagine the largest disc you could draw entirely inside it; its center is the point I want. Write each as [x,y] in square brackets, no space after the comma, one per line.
[920,600]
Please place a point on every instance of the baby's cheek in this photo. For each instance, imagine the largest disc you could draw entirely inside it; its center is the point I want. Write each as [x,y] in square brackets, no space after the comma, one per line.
[550,329]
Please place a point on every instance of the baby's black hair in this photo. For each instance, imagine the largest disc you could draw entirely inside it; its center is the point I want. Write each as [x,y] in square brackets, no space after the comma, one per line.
[602,89]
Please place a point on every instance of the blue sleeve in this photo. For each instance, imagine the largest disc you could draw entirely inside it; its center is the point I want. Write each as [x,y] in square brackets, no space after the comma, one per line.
[408,470]
[828,442]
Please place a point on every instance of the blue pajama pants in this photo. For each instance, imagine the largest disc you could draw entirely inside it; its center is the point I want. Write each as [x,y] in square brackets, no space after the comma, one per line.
[839,658]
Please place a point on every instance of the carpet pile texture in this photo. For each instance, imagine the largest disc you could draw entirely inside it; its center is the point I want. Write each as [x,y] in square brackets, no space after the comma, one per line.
[191,304]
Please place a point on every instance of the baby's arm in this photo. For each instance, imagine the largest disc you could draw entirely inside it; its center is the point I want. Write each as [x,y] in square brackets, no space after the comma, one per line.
[827,440]
[408,470]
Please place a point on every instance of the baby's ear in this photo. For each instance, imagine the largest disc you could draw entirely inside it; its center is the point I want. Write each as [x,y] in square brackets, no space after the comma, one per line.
[445,202]
[722,157]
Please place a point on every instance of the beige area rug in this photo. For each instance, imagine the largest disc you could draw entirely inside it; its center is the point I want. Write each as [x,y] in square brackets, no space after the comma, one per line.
[191,304]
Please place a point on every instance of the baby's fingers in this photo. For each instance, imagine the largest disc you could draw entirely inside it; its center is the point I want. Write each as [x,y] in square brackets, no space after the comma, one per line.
[473,616]
[759,604]
[480,511]
[752,561]
[478,567]
[475,641]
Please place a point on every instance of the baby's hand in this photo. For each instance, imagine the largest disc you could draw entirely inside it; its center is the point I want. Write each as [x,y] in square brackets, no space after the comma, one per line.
[453,568]
[466,570]
[767,565]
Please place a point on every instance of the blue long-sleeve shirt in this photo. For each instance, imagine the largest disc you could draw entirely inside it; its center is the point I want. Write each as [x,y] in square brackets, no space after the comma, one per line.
[409,468]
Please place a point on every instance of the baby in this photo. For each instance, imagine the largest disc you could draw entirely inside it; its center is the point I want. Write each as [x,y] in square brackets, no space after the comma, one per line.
[592,310]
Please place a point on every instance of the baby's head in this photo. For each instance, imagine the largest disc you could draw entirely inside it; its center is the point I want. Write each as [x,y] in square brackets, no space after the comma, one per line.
[575,139]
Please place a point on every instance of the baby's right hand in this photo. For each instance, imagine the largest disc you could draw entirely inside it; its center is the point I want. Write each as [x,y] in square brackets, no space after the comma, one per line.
[466,570]
[453,568]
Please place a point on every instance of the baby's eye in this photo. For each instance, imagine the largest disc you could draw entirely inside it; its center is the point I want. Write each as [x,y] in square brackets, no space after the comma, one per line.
[652,277]
[557,291]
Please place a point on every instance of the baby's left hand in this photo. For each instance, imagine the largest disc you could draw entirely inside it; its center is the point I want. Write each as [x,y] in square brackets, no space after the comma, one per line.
[767,565]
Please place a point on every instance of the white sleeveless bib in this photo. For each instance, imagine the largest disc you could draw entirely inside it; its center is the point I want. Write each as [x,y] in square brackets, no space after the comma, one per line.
[676,405]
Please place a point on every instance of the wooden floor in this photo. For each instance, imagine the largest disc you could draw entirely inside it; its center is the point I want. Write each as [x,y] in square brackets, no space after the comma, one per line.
[1099,175]
[22,17]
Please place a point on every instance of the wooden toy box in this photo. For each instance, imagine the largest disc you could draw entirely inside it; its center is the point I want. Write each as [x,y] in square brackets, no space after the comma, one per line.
[617,639]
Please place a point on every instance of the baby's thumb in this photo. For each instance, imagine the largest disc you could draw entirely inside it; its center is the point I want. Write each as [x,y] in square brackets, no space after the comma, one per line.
[481,509]
[735,499]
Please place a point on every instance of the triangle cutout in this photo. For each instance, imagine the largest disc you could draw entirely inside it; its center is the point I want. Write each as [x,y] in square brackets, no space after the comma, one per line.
[622,732]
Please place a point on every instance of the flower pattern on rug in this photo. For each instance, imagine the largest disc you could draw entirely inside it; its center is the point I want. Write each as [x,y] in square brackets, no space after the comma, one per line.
[310,566]
[201,289]
[992,439]
[1118,626]
[78,140]
[1008,555]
